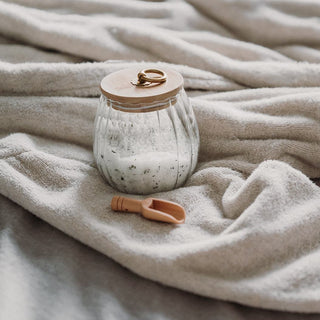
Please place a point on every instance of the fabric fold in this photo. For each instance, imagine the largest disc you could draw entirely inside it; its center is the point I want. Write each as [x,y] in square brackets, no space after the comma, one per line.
[252,227]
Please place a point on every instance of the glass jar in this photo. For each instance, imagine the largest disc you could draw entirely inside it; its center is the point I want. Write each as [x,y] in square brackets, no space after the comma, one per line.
[146,137]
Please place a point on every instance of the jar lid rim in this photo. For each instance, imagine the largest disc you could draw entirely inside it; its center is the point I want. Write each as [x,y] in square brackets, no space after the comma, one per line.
[118,86]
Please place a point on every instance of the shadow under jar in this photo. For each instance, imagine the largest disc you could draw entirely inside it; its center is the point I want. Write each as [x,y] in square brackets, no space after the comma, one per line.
[146,137]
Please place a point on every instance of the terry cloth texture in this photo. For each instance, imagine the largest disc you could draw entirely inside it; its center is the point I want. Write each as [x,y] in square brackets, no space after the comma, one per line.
[47,275]
[252,232]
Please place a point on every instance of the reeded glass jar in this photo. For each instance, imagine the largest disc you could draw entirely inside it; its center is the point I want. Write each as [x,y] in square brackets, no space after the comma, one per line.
[146,138]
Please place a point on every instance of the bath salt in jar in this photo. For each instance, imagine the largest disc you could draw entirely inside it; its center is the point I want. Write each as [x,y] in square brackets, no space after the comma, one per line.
[146,137]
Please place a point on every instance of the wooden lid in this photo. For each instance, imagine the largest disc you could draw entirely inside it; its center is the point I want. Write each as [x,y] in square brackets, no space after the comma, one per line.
[119,86]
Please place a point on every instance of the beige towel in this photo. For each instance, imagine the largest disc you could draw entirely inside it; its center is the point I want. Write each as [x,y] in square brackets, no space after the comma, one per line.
[50,276]
[252,228]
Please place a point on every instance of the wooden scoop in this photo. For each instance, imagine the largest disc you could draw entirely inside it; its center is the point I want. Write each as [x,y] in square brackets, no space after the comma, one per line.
[150,208]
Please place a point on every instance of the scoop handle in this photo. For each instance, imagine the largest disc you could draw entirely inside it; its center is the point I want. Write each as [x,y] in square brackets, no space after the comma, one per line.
[119,203]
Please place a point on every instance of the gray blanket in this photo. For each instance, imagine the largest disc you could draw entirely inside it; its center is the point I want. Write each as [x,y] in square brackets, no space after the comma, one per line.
[46,275]
[252,228]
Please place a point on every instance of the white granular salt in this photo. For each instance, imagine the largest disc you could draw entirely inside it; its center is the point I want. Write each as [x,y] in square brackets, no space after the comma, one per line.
[148,172]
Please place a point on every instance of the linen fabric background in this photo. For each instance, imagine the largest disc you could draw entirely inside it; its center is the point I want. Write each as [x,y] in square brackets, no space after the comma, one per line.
[252,71]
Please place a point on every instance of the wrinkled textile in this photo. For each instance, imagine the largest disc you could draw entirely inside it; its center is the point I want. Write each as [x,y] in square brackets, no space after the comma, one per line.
[53,277]
[252,69]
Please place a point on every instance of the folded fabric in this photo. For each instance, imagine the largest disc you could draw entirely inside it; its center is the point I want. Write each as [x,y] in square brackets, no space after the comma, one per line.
[252,227]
